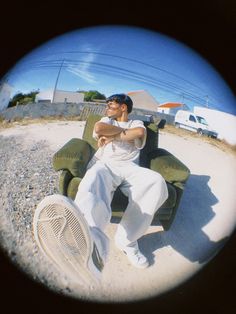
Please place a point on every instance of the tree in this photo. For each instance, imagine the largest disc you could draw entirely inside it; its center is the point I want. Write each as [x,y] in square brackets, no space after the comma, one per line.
[93,95]
[16,98]
[22,99]
[32,95]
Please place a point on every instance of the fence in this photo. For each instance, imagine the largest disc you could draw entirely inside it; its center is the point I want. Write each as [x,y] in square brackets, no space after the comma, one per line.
[92,109]
[82,110]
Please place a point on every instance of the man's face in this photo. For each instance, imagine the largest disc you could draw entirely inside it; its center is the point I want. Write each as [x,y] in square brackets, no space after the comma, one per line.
[114,110]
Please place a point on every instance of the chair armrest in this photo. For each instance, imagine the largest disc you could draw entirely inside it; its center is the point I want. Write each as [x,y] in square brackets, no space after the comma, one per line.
[73,156]
[170,167]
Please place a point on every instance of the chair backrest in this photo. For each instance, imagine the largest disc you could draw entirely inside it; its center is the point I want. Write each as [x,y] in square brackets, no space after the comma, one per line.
[161,124]
[151,142]
[88,130]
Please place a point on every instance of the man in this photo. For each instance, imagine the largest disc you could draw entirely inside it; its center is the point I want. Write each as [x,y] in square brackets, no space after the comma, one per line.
[116,164]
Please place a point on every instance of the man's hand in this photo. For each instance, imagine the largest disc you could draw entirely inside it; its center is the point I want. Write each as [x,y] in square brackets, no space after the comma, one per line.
[104,140]
[108,133]
[108,130]
[105,129]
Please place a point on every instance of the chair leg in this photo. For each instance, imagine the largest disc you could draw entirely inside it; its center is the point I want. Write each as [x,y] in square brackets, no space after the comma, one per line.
[64,179]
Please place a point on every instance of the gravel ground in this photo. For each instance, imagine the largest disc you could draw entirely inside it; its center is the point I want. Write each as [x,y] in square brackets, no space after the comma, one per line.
[31,177]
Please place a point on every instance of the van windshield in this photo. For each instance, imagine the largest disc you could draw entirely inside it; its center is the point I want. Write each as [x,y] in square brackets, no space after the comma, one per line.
[201,120]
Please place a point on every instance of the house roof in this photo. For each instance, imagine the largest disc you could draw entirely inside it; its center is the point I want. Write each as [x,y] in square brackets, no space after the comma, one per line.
[143,100]
[170,105]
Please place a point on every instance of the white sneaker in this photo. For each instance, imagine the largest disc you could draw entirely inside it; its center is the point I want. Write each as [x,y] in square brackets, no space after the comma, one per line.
[134,255]
[64,236]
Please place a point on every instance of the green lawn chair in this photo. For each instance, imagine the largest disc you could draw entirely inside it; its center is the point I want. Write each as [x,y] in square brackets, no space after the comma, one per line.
[73,157]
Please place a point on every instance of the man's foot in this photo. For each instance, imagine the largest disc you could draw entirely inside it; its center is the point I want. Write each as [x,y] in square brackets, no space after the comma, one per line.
[134,255]
[64,236]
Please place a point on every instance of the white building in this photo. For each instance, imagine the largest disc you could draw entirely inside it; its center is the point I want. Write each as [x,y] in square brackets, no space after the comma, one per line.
[44,96]
[5,95]
[59,96]
[171,108]
[223,123]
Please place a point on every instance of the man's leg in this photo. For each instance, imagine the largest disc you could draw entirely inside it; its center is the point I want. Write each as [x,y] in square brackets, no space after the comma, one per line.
[70,233]
[147,191]
[93,198]
[95,194]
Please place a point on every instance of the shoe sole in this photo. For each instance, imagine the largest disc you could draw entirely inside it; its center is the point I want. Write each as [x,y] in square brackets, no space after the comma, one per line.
[63,235]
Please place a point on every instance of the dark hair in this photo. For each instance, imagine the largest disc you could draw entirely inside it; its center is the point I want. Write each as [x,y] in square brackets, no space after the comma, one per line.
[122,99]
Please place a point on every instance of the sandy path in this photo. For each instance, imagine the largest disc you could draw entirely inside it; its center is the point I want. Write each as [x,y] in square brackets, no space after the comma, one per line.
[205,219]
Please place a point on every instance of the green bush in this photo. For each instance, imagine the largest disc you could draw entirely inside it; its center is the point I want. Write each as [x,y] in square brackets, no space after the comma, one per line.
[93,94]
[22,99]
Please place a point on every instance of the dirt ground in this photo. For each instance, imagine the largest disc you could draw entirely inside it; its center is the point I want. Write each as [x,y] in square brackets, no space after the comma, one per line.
[204,221]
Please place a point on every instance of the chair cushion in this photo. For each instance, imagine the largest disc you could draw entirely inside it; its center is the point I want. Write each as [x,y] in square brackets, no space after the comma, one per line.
[73,156]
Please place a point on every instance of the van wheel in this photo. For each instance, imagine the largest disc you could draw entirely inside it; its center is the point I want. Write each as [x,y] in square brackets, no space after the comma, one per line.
[177,125]
[199,131]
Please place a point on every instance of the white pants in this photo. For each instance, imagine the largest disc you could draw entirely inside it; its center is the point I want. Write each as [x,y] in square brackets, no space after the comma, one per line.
[145,189]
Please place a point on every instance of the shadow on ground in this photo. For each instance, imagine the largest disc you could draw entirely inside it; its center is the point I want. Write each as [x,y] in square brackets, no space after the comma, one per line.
[186,235]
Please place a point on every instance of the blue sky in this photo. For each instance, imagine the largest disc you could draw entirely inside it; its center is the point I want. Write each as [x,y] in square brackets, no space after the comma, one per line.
[114,59]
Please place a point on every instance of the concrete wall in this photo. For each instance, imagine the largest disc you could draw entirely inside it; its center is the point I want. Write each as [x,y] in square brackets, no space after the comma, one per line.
[170,119]
[37,110]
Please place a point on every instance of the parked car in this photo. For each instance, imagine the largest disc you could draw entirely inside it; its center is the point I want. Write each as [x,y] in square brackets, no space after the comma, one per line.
[189,121]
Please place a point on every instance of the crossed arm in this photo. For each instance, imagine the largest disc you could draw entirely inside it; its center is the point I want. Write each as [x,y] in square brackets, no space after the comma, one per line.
[107,133]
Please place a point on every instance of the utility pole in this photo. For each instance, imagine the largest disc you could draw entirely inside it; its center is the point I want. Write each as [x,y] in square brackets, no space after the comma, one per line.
[55,87]
[207,101]
[182,99]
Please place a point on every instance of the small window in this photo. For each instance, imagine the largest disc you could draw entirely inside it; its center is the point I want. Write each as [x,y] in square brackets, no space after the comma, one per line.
[191,118]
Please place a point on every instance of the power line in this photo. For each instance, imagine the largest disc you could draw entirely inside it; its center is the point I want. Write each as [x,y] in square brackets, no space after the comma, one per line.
[165,85]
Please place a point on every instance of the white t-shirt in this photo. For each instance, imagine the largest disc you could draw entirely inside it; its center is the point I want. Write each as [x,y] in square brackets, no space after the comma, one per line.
[116,150]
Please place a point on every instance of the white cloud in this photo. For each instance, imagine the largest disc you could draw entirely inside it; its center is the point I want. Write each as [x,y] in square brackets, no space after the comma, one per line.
[83,70]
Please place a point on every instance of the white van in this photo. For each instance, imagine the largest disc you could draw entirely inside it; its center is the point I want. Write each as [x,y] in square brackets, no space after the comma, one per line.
[189,121]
